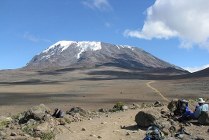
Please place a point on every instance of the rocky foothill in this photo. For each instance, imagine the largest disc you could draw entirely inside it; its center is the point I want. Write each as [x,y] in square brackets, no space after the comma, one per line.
[37,123]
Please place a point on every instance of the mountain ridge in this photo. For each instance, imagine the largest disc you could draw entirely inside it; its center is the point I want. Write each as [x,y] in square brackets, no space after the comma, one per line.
[89,54]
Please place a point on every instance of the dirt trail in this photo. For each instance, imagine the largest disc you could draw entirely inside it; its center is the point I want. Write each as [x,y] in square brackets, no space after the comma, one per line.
[105,128]
[148,84]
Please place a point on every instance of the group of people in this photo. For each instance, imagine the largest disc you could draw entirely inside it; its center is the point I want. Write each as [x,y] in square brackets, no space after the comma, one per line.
[188,114]
[183,112]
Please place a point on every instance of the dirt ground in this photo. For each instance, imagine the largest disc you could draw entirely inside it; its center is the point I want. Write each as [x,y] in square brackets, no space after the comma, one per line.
[107,128]
[21,90]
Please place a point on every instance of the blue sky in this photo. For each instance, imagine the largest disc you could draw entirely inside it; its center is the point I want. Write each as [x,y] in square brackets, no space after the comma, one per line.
[160,27]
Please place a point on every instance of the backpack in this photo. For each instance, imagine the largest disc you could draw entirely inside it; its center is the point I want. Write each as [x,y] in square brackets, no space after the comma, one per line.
[58,113]
[181,107]
[154,133]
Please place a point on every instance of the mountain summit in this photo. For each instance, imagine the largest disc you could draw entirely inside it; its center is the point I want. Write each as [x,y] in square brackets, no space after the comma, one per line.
[72,54]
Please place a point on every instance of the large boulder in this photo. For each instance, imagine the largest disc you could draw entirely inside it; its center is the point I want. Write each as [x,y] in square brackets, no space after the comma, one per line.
[204,118]
[77,110]
[5,119]
[147,118]
[36,113]
[42,128]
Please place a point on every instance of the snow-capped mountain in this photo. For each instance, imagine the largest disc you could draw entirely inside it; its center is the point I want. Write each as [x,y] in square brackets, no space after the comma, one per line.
[65,54]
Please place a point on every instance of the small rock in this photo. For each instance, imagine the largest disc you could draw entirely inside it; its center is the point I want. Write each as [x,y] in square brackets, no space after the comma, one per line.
[43,127]
[134,131]
[135,106]
[124,107]
[36,138]
[204,118]
[2,134]
[92,135]
[13,134]
[122,126]
[115,123]
[199,138]
[128,134]
[102,110]
[99,137]
[158,104]
[103,122]
[62,121]
[83,129]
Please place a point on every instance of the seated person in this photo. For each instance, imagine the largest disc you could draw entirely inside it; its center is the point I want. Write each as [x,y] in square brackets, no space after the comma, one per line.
[198,109]
[202,106]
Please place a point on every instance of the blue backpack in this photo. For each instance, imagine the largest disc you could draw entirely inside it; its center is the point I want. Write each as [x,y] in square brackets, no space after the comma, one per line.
[154,133]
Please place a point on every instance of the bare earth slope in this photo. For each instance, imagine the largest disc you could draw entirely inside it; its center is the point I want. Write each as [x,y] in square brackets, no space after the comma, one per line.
[66,88]
[70,87]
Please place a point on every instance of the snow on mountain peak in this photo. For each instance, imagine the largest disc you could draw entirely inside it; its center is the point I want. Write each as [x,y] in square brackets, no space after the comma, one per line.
[82,45]
[61,44]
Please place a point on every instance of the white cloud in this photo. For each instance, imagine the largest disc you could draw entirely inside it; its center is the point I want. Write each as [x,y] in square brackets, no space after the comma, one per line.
[187,20]
[102,5]
[33,38]
[194,69]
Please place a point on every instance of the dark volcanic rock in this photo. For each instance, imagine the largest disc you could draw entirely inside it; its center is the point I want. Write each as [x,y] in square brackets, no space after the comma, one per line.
[36,113]
[204,118]
[78,110]
[147,118]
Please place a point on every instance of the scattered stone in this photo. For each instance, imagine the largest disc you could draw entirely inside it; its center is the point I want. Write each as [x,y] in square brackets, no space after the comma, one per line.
[42,128]
[37,113]
[99,137]
[83,129]
[13,134]
[124,107]
[147,118]
[128,134]
[116,130]
[78,110]
[103,122]
[3,119]
[134,131]
[103,110]
[135,106]
[2,134]
[31,122]
[92,135]
[61,121]
[204,118]
[122,126]
[199,138]
[158,104]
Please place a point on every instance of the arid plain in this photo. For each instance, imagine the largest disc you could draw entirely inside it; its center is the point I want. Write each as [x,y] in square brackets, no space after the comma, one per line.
[89,88]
